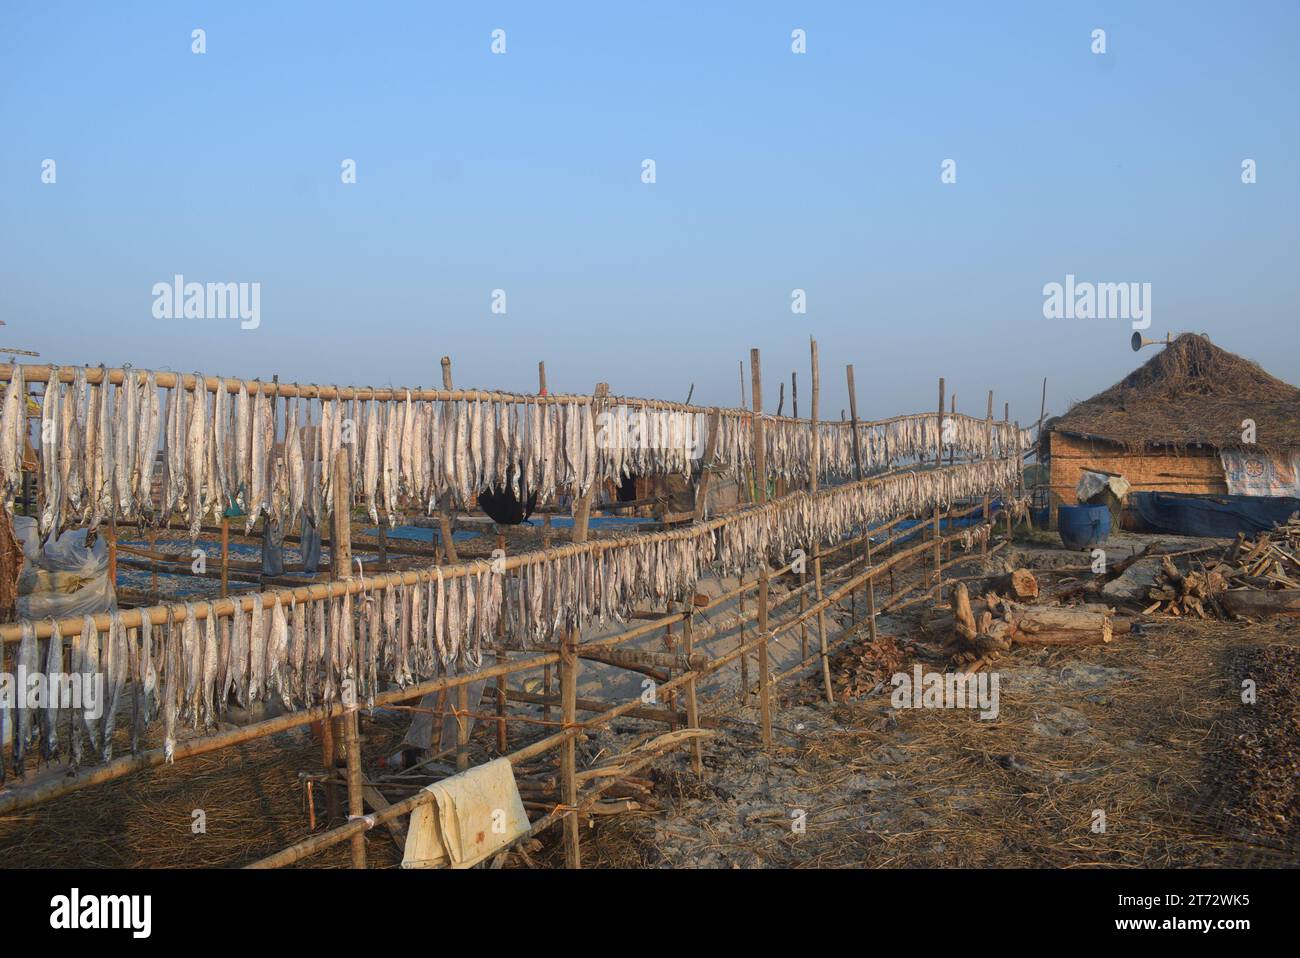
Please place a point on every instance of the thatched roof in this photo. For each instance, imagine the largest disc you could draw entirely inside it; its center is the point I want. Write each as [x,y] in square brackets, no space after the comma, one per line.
[1191,392]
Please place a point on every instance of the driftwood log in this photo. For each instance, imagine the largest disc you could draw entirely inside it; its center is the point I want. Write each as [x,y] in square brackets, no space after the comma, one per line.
[1019,584]
[979,630]
[1253,604]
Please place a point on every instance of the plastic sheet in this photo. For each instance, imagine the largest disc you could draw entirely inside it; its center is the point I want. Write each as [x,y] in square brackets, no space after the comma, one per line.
[63,578]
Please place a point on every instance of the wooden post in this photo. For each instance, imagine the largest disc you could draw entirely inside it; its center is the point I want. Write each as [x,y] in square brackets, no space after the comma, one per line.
[744,658]
[582,506]
[340,568]
[225,556]
[706,471]
[1038,456]
[327,760]
[569,665]
[760,480]
[356,806]
[984,542]
[814,479]
[153,569]
[853,423]
[952,453]
[502,741]
[692,704]
[938,537]
[111,538]
[541,378]
[462,727]
[857,471]
[866,535]
[341,527]
[444,502]
[794,394]
[1006,419]
[747,474]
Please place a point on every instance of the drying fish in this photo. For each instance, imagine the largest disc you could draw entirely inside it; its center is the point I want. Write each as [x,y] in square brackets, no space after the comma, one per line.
[27,667]
[13,433]
[50,713]
[115,668]
[256,653]
[240,653]
[243,451]
[196,455]
[211,657]
[49,443]
[171,692]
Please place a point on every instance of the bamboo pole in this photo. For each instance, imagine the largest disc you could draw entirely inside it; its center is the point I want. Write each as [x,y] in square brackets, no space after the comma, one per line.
[706,472]
[569,666]
[356,802]
[582,509]
[33,373]
[857,462]
[502,740]
[938,462]
[444,501]
[760,479]
[1006,419]
[692,702]
[814,478]
[225,556]
[984,545]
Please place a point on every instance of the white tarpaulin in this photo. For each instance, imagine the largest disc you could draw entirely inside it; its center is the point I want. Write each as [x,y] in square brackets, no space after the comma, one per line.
[1092,483]
[1258,474]
[473,815]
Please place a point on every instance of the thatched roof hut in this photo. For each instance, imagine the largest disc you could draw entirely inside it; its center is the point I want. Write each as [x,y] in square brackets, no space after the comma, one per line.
[1165,424]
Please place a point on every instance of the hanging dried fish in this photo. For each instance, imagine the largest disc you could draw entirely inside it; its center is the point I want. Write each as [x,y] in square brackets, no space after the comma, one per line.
[50,713]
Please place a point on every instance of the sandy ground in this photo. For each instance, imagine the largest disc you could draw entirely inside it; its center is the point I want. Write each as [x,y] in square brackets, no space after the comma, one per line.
[1149,732]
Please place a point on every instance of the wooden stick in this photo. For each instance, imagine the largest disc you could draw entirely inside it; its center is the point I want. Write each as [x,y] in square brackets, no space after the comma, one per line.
[225,556]
[706,474]
[938,461]
[814,479]
[356,802]
[341,521]
[568,755]
[692,702]
[582,510]
[760,479]
[984,544]
[502,740]
[444,501]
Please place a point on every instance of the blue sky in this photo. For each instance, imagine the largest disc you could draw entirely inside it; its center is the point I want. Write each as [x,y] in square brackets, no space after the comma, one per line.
[775,171]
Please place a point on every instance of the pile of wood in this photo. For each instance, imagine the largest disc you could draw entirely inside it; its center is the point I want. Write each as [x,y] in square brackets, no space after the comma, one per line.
[981,630]
[1254,578]
[1270,561]
[1176,593]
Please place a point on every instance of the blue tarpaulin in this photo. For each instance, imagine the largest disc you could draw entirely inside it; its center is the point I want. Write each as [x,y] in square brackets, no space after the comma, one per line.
[1217,516]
